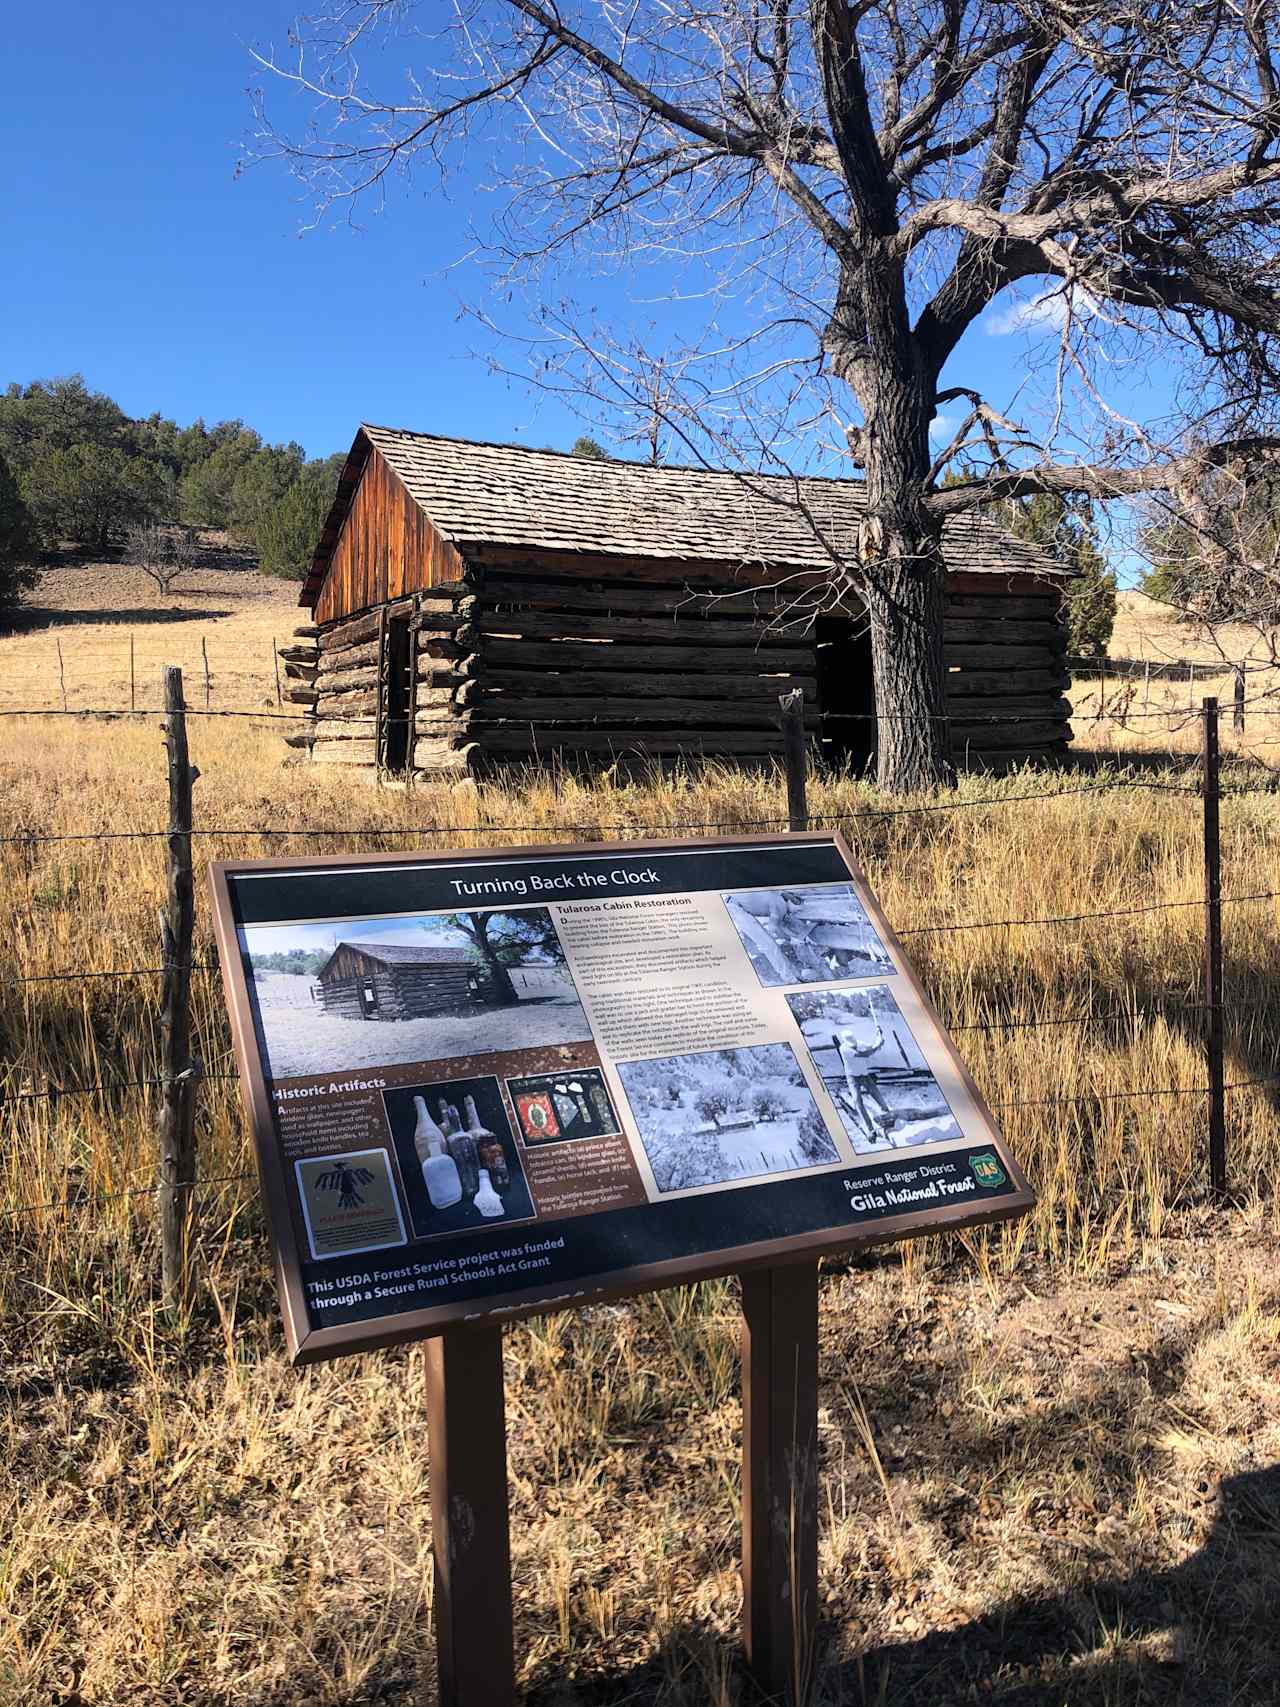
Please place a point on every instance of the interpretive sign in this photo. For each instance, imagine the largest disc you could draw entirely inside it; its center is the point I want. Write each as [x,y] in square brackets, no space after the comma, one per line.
[484,1084]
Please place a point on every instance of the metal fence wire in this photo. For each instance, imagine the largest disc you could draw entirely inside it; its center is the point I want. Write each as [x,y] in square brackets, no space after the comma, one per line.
[1204,784]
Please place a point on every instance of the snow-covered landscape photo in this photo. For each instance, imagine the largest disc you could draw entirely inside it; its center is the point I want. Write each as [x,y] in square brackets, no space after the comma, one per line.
[874,1071]
[808,935]
[385,992]
[724,1115]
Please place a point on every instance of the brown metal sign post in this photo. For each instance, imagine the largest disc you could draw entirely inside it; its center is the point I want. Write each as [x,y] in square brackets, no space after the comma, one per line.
[489,1084]
[780,1476]
[470,1531]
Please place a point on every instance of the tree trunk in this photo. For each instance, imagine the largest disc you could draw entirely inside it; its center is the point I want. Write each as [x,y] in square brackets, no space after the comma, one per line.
[905,593]
[904,585]
[900,573]
[503,988]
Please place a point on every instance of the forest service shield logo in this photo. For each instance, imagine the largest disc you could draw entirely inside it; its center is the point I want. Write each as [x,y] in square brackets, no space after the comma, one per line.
[987,1170]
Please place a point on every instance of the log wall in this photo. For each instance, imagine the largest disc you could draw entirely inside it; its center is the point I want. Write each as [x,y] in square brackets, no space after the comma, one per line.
[403,992]
[512,664]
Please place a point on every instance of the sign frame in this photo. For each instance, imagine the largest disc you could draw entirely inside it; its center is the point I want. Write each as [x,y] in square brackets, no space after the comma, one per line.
[309,1344]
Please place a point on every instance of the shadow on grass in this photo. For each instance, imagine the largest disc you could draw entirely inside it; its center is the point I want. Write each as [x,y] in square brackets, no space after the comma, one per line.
[44,616]
[1204,1631]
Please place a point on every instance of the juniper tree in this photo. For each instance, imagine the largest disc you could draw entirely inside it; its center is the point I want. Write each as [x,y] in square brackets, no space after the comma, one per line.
[862,181]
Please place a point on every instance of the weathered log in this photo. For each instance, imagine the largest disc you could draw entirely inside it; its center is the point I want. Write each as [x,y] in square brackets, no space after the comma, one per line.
[349,658]
[691,713]
[346,705]
[994,657]
[771,605]
[302,696]
[439,676]
[344,728]
[656,686]
[349,633]
[347,681]
[962,684]
[345,753]
[301,672]
[692,631]
[1043,706]
[999,607]
[445,614]
[436,758]
[516,741]
[772,661]
[997,630]
[593,596]
[438,646]
[1016,733]
[300,740]
[307,631]
[299,654]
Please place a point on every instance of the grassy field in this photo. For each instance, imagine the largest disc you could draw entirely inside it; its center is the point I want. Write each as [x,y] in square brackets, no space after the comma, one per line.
[1049,1455]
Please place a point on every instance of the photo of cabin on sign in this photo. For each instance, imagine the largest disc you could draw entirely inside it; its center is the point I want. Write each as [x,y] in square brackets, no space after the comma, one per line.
[488,1083]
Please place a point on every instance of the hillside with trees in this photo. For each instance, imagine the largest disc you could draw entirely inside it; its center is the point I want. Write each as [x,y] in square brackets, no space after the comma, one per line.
[76,470]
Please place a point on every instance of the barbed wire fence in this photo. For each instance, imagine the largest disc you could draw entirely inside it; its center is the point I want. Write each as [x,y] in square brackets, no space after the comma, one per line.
[173,1177]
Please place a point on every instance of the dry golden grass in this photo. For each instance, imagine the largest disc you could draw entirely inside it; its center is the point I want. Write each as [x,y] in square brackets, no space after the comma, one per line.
[1048,1454]
[94,613]
[1121,715]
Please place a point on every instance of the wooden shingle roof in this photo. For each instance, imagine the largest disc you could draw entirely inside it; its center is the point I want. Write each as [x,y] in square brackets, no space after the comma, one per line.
[402,954]
[487,495]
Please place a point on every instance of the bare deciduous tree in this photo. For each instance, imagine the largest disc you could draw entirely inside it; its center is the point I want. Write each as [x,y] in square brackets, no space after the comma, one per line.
[1213,543]
[161,552]
[850,185]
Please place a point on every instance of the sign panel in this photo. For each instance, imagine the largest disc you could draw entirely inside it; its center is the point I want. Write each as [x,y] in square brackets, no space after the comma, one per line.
[486,1084]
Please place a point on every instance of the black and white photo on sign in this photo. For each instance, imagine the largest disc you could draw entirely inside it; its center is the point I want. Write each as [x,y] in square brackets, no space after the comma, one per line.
[873,1068]
[724,1115]
[375,992]
[808,935]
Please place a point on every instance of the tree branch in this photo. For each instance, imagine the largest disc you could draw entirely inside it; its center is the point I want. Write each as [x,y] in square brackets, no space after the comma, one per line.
[1097,480]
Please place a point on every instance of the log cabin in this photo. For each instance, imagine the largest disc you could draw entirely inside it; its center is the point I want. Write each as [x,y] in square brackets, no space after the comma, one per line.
[479,604]
[390,981]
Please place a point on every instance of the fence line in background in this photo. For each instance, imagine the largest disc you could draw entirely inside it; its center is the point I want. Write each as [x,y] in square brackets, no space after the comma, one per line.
[266,715]
[176,1183]
[679,828]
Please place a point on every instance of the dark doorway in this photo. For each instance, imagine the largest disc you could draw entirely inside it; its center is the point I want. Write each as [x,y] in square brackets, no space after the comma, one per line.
[846,692]
[397,703]
[368,1000]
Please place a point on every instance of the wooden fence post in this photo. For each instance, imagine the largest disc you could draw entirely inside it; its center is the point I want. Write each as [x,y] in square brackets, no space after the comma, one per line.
[204,653]
[179,1072]
[1213,955]
[1237,710]
[62,674]
[133,683]
[794,757]
[275,658]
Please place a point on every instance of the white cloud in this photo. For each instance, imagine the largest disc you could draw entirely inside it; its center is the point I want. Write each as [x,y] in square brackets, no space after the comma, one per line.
[1046,311]
[942,427]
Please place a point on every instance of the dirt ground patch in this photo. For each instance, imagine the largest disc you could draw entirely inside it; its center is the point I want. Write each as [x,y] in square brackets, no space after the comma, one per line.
[303,1039]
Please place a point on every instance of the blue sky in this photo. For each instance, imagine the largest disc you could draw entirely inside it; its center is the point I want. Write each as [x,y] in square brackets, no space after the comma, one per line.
[134,254]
